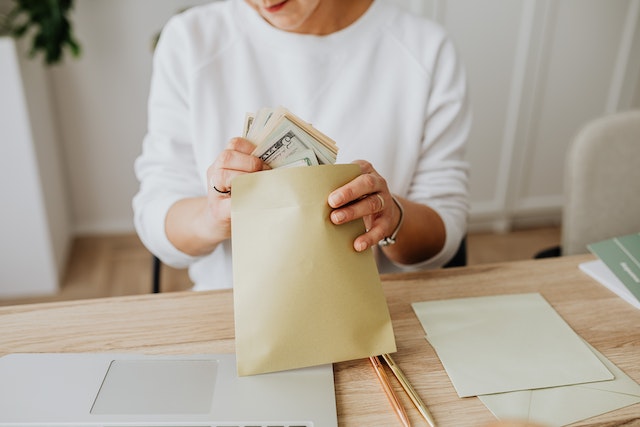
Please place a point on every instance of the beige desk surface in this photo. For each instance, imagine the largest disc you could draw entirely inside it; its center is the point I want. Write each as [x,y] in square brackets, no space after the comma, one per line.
[190,322]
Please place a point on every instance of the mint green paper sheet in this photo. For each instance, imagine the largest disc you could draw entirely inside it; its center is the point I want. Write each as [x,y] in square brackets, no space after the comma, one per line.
[503,343]
[559,406]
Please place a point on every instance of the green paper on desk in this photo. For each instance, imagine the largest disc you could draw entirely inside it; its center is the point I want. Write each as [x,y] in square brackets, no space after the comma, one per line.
[622,256]
[302,295]
[503,343]
[558,406]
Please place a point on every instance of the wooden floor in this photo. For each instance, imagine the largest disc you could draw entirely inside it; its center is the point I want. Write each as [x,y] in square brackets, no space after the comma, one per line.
[103,266]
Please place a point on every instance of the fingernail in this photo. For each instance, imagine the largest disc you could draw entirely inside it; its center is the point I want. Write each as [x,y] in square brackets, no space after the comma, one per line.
[335,199]
[361,246]
[338,216]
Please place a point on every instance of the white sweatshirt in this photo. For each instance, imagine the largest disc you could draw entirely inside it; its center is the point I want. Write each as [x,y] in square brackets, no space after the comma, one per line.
[388,89]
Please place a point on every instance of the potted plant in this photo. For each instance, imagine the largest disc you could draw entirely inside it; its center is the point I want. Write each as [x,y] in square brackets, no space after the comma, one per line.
[45,21]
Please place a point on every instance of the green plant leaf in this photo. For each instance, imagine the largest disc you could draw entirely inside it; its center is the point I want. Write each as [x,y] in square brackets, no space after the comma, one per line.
[48,22]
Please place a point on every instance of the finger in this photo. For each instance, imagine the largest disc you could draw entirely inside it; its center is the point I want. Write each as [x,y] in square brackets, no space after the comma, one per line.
[221,191]
[235,160]
[371,205]
[378,227]
[220,179]
[371,237]
[241,144]
[245,146]
[359,188]
[365,166]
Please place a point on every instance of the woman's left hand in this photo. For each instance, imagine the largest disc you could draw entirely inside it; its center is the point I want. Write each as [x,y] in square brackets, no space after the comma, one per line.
[367,197]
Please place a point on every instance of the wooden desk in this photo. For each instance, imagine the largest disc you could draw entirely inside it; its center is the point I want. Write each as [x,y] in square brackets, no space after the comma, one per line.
[190,322]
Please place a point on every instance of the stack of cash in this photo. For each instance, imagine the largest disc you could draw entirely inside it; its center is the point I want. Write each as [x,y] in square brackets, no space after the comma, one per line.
[284,140]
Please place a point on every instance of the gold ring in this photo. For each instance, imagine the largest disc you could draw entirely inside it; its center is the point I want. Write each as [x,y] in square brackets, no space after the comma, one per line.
[381,201]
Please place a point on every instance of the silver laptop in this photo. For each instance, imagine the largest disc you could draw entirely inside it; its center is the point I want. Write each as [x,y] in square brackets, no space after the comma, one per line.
[89,389]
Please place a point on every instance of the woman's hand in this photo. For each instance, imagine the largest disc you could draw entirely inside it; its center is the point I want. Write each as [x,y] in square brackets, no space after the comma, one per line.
[421,235]
[367,197]
[197,225]
[236,159]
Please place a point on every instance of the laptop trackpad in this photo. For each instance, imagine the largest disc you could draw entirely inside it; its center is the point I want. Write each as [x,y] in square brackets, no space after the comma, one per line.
[157,387]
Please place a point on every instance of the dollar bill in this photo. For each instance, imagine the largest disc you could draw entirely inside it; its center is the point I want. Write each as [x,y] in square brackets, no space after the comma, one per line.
[262,122]
[248,121]
[282,139]
[288,146]
[302,158]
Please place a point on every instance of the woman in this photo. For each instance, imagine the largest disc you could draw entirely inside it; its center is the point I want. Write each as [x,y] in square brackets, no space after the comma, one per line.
[385,85]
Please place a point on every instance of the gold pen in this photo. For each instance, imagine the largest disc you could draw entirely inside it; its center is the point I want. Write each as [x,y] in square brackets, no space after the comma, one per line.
[406,385]
[386,385]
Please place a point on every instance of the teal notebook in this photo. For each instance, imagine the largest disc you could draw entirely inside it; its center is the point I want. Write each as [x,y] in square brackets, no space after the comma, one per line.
[622,257]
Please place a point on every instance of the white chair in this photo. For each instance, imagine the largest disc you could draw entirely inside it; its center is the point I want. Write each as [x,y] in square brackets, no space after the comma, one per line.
[602,183]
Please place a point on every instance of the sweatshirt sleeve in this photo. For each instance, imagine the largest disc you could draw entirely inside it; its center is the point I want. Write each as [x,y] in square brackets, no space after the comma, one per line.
[166,167]
[441,178]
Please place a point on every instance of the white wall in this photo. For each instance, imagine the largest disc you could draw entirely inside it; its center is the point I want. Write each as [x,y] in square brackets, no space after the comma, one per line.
[538,70]
[101,106]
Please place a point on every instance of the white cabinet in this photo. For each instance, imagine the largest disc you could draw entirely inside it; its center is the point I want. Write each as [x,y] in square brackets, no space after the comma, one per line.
[34,219]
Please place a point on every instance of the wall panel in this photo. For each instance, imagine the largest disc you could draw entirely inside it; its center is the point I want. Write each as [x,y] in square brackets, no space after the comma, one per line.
[580,56]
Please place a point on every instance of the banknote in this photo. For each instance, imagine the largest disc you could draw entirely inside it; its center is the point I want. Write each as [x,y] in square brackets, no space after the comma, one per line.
[303,158]
[262,121]
[283,139]
[248,121]
[283,149]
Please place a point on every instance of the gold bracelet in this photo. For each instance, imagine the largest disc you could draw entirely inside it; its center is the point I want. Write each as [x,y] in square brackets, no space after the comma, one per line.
[390,240]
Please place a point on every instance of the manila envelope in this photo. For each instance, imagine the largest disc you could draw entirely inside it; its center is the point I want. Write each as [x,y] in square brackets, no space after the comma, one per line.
[501,343]
[302,295]
[558,406]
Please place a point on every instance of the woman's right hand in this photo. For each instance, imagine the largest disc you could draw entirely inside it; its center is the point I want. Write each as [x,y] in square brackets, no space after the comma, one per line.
[236,159]
[197,225]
